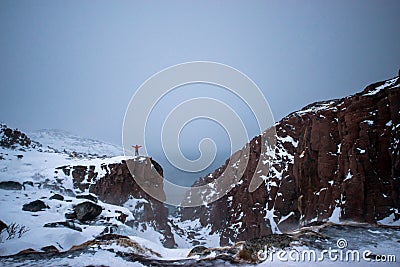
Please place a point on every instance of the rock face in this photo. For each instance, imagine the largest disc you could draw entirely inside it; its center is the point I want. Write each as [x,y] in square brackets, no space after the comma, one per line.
[334,160]
[82,176]
[116,186]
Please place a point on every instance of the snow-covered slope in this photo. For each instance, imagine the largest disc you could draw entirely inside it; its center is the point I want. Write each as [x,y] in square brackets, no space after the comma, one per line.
[34,168]
[30,171]
[65,141]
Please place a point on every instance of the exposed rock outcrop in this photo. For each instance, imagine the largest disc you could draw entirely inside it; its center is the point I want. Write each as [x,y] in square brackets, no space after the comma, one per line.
[10,138]
[114,184]
[83,176]
[118,186]
[334,160]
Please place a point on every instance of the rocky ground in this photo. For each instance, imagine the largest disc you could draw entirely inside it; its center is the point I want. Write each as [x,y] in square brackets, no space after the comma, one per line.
[118,250]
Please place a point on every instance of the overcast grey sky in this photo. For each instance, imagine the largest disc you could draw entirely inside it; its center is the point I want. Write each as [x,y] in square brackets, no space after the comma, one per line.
[74,65]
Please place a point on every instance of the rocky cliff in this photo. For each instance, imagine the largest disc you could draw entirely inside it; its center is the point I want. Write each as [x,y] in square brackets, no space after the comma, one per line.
[334,160]
[115,185]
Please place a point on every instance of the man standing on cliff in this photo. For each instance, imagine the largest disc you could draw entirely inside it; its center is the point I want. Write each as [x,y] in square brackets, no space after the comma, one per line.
[136,147]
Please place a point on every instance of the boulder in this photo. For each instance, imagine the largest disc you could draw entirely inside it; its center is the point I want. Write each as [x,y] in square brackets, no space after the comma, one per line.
[34,206]
[70,215]
[57,197]
[10,185]
[87,211]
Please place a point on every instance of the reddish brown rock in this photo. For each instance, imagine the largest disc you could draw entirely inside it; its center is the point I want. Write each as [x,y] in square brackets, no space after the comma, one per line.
[117,187]
[336,160]
[83,176]
[10,138]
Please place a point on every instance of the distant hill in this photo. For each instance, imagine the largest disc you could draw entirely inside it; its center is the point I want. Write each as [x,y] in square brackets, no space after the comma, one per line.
[62,140]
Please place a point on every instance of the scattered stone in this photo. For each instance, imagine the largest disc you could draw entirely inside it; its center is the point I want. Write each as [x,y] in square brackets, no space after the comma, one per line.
[35,206]
[30,183]
[110,229]
[70,215]
[122,217]
[87,211]
[10,185]
[57,197]
[68,224]
[88,197]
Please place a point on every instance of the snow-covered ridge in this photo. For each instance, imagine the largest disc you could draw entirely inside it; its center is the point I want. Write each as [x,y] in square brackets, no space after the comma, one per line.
[318,106]
[64,141]
[336,103]
[30,171]
[392,83]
